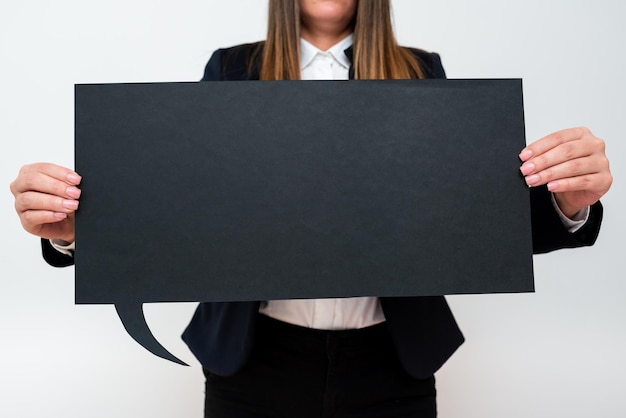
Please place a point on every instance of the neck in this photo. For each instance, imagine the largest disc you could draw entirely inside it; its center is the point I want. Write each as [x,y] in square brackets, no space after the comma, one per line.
[324,39]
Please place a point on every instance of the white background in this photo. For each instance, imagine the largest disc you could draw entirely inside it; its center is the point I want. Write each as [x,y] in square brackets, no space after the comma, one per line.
[556,353]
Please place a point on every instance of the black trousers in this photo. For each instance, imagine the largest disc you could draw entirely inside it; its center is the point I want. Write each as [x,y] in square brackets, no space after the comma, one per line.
[297,372]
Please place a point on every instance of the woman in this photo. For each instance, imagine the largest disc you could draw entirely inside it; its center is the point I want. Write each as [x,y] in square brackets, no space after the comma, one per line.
[370,357]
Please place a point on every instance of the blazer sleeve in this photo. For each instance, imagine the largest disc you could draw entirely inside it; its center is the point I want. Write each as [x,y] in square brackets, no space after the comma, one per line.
[548,231]
[53,257]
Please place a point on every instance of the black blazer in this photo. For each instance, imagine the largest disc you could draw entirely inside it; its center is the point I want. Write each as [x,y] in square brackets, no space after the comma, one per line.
[422,329]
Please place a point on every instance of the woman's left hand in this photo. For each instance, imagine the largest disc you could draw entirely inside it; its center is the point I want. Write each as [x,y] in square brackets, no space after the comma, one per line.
[573,164]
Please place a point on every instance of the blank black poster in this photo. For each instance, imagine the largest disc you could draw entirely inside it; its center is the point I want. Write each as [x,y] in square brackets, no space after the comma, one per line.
[234,191]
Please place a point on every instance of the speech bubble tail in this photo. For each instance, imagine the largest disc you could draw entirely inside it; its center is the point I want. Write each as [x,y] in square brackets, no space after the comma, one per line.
[133,319]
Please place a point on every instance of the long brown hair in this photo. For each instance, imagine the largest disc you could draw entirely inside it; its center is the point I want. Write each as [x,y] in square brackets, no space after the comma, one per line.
[376,53]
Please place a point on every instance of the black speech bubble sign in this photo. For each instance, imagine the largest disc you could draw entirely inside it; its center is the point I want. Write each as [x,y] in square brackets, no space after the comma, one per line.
[235,191]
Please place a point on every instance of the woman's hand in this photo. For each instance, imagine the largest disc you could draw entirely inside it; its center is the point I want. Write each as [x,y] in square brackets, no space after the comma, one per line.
[46,197]
[573,164]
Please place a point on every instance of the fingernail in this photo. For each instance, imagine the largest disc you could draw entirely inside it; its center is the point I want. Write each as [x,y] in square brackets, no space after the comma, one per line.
[70,204]
[553,185]
[60,215]
[530,180]
[527,168]
[73,192]
[74,178]
[525,154]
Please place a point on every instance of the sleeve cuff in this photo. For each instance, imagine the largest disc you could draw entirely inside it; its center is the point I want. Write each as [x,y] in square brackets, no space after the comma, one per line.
[63,247]
[576,222]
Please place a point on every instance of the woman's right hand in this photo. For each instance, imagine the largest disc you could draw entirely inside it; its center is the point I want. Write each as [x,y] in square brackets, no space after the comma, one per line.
[46,197]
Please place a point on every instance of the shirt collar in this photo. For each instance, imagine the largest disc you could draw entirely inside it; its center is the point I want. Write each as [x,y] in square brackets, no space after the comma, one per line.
[308,52]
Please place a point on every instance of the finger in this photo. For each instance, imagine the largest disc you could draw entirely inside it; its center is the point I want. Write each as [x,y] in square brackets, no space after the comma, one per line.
[577,152]
[551,141]
[40,201]
[32,172]
[56,171]
[41,182]
[573,168]
[597,183]
[588,183]
[34,220]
